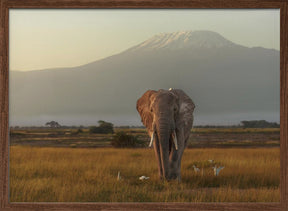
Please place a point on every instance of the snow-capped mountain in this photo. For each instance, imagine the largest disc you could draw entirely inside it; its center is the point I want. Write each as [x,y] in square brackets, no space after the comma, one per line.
[227,82]
[184,40]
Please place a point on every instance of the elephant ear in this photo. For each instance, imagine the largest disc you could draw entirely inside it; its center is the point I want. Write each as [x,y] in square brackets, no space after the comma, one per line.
[143,107]
[186,108]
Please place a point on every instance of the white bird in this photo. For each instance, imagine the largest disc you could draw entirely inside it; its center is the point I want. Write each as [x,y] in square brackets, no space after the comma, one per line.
[217,170]
[211,161]
[170,89]
[143,178]
[196,169]
[118,177]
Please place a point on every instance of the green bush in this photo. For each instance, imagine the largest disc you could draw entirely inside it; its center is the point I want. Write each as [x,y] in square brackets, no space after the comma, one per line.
[103,128]
[124,140]
[77,132]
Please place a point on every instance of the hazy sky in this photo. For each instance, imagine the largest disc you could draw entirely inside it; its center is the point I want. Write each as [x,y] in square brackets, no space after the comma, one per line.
[52,38]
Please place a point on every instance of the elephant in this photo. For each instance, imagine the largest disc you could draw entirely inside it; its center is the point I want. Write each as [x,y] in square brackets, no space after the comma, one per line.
[168,117]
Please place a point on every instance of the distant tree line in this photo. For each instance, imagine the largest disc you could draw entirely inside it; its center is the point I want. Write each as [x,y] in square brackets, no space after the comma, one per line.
[217,126]
[259,124]
[245,124]
[106,127]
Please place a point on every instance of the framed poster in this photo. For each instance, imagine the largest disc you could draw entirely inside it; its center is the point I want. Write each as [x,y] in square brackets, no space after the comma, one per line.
[72,72]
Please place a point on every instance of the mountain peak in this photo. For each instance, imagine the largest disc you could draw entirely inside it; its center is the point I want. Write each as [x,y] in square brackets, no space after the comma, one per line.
[184,40]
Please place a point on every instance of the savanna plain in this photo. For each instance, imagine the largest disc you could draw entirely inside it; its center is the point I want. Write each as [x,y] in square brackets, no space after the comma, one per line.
[72,165]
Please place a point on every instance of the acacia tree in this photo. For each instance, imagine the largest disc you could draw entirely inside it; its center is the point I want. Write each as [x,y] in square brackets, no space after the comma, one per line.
[103,128]
[53,124]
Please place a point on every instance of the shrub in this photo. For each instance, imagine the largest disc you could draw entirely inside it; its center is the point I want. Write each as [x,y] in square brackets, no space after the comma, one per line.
[77,132]
[103,128]
[124,140]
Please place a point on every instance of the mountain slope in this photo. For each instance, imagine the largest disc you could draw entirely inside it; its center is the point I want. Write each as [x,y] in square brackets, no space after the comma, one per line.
[222,78]
[184,40]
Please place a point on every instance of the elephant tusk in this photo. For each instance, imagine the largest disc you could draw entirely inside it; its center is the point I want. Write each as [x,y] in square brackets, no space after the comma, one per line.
[175,140]
[152,139]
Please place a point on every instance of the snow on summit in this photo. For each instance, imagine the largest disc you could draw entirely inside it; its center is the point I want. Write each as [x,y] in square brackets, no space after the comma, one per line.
[184,39]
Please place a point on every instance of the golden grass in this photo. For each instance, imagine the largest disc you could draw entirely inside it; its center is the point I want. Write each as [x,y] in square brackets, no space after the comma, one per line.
[236,130]
[90,175]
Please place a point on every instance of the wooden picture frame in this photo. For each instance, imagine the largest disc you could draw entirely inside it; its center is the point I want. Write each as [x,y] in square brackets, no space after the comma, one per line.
[133,4]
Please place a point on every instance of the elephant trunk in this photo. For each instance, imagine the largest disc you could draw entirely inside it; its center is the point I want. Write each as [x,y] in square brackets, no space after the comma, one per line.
[164,134]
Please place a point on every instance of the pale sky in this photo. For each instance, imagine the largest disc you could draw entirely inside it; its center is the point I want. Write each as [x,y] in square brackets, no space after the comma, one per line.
[50,38]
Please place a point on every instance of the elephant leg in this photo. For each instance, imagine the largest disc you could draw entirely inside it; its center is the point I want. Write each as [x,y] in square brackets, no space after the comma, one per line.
[156,147]
[178,170]
[173,159]
[176,156]
[180,158]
